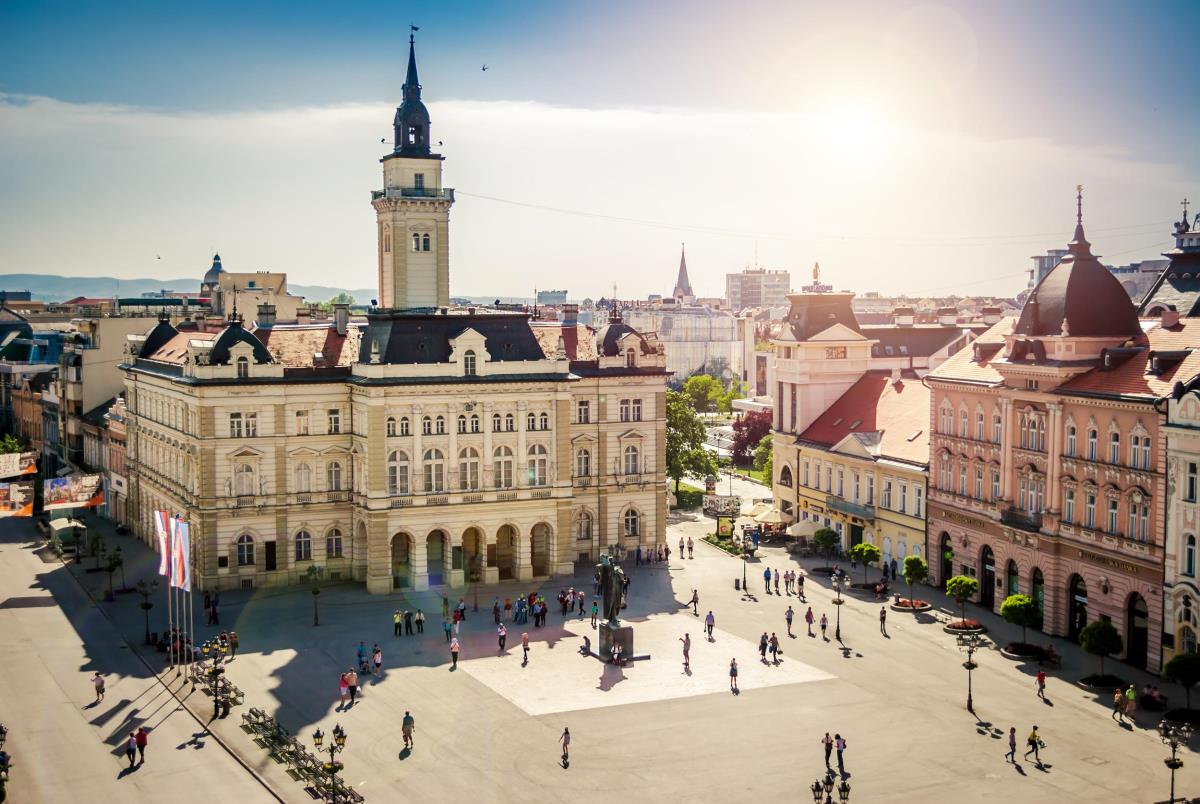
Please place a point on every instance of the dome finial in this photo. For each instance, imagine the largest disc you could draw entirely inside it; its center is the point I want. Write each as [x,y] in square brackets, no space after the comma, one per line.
[1079,204]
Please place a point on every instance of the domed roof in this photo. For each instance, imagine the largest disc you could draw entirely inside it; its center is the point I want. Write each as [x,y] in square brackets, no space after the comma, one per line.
[233,334]
[212,277]
[609,336]
[1081,292]
[159,337]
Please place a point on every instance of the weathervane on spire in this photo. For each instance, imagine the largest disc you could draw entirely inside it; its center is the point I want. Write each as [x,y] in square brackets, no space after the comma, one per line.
[1185,203]
[1079,203]
[412,30]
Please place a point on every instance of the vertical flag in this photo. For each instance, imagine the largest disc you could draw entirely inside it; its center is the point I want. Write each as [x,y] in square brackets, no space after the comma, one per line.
[161,530]
[183,568]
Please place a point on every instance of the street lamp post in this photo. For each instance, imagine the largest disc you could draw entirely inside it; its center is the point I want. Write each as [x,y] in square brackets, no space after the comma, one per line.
[335,747]
[837,587]
[145,590]
[1174,735]
[970,643]
[825,786]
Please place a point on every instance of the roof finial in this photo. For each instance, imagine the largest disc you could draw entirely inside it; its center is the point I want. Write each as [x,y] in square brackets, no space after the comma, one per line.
[1079,204]
[1185,203]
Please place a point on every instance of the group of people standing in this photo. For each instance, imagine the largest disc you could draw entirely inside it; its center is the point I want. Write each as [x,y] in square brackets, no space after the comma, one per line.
[793,582]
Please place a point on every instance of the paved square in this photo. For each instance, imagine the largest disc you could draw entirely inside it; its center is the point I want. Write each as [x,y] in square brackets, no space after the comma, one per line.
[583,682]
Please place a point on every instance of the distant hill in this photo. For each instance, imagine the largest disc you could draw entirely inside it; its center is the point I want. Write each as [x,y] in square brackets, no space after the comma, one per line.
[54,288]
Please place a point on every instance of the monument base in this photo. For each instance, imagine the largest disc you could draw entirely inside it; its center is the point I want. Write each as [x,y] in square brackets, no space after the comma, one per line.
[615,635]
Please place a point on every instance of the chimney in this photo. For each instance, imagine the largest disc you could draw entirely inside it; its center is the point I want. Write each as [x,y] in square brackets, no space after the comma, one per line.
[570,315]
[266,315]
[947,317]
[903,316]
[1170,317]
[991,315]
[895,376]
[341,318]
[302,315]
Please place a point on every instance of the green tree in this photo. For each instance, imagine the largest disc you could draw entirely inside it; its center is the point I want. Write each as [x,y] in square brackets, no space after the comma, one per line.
[115,562]
[342,298]
[866,553]
[1101,638]
[686,454]
[9,443]
[1184,670]
[725,400]
[826,541]
[703,392]
[962,588]
[1020,610]
[915,571]
[764,459]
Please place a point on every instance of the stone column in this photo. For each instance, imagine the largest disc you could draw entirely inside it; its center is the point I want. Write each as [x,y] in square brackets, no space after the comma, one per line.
[379,553]
[455,577]
[521,460]
[1006,443]
[491,573]
[486,479]
[420,564]
[523,557]
[453,482]
[416,483]
[1053,462]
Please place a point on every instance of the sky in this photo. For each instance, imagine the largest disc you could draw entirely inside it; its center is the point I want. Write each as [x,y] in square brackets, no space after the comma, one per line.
[907,147]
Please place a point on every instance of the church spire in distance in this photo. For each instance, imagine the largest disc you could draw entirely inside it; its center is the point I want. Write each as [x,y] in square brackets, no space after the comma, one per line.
[683,287]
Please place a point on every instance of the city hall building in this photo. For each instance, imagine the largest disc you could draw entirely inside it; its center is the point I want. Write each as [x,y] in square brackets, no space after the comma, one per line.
[427,446]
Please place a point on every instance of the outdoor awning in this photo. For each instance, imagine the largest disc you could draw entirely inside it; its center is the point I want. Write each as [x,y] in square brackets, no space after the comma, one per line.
[772,516]
[65,522]
[757,509]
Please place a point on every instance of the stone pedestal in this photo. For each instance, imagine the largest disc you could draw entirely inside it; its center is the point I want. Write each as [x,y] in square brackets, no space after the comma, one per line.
[614,635]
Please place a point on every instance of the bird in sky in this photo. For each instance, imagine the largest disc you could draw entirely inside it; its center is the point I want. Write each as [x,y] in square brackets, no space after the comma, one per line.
[484,68]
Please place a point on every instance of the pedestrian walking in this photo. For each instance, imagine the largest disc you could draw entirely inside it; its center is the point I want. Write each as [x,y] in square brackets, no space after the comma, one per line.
[142,739]
[408,623]
[733,675]
[377,661]
[774,648]
[883,620]
[361,652]
[1041,683]
[824,625]
[496,611]
[709,622]
[800,588]
[1012,745]
[808,619]
[343,689]
[352,685]
[98,683]
[787,615]
[565,740]
[638,555]
[839,745]
[408,726]
[827,742]
[525,647]
[767,580]
[131,749]
[420,618]
[1034,741]
[1118,713]
[776,581]
[595,612]
[446,628]
[454,648]
[680,547]
[397,621]
[690,543]
[233,643]
[445,606]
[501,635]
[687,647]
[695,602]
[762,646]
[1130,701]
[214,614]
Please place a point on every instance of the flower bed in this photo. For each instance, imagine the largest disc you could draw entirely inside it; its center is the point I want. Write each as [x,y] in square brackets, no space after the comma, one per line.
[1182,715]
[904,604]
[724,544]
[1023,650]
[1102,683]
[964,627]
[823,570]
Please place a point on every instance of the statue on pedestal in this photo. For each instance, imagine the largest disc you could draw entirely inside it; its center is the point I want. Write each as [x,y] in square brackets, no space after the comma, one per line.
[612,587]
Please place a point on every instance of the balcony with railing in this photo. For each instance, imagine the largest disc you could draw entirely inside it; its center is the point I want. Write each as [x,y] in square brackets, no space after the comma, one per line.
[1021,519]
[846,507]
[440,193]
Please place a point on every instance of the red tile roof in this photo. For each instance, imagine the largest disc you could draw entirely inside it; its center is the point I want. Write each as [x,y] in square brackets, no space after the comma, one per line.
[1130,378]
[174,350]
[898,411]
[295,345]
[578,340]
[963,366]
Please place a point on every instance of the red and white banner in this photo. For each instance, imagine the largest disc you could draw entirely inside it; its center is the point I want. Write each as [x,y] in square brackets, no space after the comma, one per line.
[16,499]
[181,568]
[18,463]
[162,530]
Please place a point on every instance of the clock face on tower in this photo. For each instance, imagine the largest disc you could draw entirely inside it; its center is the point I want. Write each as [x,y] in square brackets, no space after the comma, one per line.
[835,352]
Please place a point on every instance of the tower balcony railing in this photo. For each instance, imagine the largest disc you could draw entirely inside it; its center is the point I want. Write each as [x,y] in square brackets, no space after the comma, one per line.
[444,193]
[1019,518]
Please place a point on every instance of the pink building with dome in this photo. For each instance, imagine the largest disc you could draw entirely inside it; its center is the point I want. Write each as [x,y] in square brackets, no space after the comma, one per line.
[1046,455]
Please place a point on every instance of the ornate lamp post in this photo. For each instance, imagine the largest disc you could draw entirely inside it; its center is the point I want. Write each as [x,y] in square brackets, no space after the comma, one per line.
[314,577]
[1174,735]
[825,786]
[335,748]
[970,643]
[837,587]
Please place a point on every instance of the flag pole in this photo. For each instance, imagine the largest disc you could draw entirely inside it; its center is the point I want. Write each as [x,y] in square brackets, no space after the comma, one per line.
[191,609]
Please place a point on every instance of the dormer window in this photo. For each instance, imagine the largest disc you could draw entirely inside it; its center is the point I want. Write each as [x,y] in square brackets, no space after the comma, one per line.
[469,363]
[243,367]
[630,358]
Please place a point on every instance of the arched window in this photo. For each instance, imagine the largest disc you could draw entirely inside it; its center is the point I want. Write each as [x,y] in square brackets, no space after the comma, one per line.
[469,363]
[435,470]
[979,425]
[946,423]
[963,432]
[243,480]
[1092,445]
[391,426]
[630,358]
[397,472]
[416,242]
[502,465]
[441,425]
[425,242]
[632,462]
[304,546]
[1114,447]
[468,469]
[245,550]
[583,463]
[538,465]
[303,478]
[426,426]
[495,422]
[997,427]
[387,240]
[631,522]
[333,476]
[243,367]
[1189,556]
[531,422]
[510,423]
[543,421]
[1013,586]
[1070,440]
[462,424]
[583,525]
[474,423]
[785,476]
[333,543]
[404,426]
[1187,638]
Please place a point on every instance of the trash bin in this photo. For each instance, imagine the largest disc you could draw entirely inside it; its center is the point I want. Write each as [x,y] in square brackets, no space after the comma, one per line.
[737,583]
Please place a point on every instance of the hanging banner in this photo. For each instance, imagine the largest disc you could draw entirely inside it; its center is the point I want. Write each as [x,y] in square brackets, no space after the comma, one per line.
[181,565]
[18,463]
[162,529]
[72,491]
[16,499]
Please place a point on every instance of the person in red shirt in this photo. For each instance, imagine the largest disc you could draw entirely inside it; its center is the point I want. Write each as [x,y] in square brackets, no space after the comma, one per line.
[141,738]
[1041,684]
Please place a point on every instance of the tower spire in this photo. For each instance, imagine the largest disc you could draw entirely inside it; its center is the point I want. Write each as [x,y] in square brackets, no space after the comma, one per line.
[683,287]
[1079,239]
[411,124]
[412,85]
